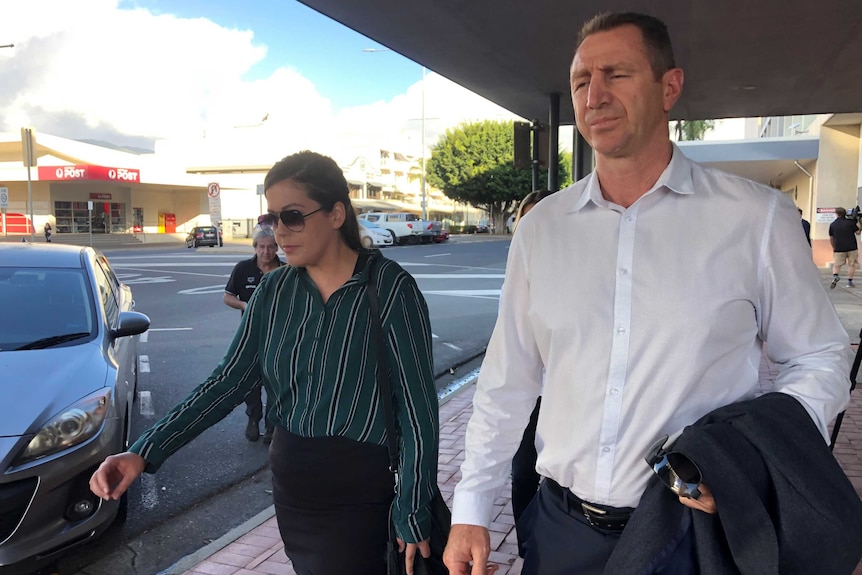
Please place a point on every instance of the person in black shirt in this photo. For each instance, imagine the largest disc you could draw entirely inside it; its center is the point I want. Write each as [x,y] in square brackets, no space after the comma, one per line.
[243,279]
[806,226]
[842,234]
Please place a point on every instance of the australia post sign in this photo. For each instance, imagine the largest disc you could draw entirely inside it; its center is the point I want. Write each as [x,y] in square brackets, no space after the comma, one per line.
[88,172]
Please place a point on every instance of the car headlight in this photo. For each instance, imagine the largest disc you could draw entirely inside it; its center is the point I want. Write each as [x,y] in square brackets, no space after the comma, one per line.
[75,424]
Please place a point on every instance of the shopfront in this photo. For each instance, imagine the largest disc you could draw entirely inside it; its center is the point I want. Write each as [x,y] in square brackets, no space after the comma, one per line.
[87,198]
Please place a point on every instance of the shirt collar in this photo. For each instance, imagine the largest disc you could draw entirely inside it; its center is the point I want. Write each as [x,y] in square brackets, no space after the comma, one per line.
[676,177]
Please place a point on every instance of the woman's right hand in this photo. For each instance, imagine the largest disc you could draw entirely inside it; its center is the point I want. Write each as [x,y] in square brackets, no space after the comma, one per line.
[115,474]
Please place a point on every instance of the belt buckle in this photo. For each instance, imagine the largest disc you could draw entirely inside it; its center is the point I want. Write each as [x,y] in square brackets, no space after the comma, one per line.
[589,510]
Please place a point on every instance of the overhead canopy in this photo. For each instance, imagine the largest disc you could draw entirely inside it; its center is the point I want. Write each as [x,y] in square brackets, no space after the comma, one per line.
[742,58]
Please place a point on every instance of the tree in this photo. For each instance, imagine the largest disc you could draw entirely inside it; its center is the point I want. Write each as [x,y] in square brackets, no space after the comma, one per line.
[474,163]
[687,130]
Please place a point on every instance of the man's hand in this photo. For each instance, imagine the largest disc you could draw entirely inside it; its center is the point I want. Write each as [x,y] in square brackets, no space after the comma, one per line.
[705,503]
[468,543]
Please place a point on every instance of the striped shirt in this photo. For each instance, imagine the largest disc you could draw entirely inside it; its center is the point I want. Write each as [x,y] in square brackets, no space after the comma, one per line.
[318,363]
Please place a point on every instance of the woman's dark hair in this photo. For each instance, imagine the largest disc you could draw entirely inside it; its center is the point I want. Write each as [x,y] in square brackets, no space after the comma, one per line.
[654,33]
[324,183]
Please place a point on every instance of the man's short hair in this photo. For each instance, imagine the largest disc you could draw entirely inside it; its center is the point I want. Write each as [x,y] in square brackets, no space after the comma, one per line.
[262,233]
[840,212]
[654,33]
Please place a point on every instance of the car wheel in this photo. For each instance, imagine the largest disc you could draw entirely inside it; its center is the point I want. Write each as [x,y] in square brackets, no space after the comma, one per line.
[122,509]
[367,242]
[395,241]
[412,240]
[188,246]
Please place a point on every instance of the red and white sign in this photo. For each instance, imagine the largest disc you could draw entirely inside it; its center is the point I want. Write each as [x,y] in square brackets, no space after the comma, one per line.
[88,172]
[213,190]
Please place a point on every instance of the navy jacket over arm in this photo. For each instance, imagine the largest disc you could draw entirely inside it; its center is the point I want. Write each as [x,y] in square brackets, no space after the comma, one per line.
[784,504]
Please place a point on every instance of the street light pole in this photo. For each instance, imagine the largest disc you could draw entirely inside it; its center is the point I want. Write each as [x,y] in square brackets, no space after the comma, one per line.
[424,196]
[422,180]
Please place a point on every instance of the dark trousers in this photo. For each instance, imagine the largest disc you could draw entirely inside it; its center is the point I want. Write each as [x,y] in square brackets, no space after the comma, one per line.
[558,540]
[525,479]
[332,497]
[254,407]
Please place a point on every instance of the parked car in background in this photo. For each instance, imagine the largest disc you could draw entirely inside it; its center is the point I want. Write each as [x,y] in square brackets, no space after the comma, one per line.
[483,227]
[204,236]
[404,227]
[441,236]
[372,235]
[510,223]
[69,364]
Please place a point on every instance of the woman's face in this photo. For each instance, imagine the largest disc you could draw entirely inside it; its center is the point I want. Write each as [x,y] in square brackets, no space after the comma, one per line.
[308,246]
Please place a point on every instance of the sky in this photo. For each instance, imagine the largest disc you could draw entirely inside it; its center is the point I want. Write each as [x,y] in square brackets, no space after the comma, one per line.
[131,72]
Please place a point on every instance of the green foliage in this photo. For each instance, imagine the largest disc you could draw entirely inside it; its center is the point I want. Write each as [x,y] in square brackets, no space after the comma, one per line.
[687,130]
[474,163]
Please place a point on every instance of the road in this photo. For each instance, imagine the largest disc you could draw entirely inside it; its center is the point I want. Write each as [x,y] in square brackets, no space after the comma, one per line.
[181,290]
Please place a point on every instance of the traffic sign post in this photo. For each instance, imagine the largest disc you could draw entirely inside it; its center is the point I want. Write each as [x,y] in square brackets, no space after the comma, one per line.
[214,194]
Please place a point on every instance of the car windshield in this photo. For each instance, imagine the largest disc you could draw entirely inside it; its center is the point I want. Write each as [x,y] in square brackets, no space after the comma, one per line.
[367,224]
[44,307]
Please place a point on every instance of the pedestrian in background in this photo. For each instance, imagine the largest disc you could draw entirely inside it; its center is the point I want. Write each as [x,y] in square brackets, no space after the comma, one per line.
[48,232]
[626,350]
[806,227]
[246,276]
[307,333]
[845,248]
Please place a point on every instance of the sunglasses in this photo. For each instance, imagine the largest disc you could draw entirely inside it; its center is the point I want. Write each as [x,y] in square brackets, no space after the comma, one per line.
[677,471]
[294,220]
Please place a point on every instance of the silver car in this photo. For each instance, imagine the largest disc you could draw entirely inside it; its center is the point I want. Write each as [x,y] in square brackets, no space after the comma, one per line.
[68,372]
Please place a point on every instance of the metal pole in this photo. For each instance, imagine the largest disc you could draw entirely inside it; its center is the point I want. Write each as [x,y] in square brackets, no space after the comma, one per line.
[554,142]
[424,199]
[535,130]
[30,202]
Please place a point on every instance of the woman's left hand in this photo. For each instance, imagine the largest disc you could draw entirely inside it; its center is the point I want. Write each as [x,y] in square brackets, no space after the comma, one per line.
[410,552]
[705,502]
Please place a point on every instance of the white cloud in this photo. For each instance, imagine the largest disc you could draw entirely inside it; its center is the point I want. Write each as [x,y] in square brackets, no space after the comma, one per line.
[88,69]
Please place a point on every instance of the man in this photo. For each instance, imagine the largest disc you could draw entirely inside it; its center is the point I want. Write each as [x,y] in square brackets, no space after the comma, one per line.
[243,279]
[806,226]
[633,348]
[842,236]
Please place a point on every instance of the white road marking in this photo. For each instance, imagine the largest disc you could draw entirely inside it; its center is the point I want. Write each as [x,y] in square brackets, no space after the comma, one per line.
[139,265]
[145,400]
[202,290]
[170,329]
[144,337]
[459,276]
[434,335]
[149,491]
[437,255]
[149,280]
[452,345]
[476,293]
[144,362]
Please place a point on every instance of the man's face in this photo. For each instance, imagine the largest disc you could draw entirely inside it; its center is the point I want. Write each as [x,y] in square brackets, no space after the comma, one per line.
[266,250]
[620,107]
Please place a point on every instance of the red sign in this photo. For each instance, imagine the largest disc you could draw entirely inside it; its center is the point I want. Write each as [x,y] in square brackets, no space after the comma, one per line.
[94,196]
[87,172]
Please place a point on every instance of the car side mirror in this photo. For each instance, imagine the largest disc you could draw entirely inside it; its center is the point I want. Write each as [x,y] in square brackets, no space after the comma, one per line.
[130,323]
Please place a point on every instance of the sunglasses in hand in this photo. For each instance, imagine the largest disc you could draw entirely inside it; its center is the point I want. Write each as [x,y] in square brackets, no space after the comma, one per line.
[676,471]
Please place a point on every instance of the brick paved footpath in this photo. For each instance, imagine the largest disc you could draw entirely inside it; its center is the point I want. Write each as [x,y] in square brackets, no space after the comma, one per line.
[259,551]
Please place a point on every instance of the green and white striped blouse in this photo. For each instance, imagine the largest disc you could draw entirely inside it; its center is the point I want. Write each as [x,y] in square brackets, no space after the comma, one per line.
[318,364]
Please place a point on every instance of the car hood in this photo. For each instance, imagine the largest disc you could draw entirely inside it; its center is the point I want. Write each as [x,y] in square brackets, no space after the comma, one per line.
[37,384]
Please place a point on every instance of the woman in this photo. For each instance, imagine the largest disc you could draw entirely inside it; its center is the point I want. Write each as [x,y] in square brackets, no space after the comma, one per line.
[525,479]
[307,334]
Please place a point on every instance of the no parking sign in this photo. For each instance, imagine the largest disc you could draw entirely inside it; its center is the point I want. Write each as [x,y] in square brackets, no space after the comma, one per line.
[214,193]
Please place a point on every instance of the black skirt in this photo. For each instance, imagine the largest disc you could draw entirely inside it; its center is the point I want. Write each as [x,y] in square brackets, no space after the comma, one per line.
[332,497]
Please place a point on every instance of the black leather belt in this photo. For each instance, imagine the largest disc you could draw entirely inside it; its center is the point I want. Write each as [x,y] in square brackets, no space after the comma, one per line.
[600,516]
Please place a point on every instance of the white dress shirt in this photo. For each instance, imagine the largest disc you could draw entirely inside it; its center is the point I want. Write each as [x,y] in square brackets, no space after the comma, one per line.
[645,319]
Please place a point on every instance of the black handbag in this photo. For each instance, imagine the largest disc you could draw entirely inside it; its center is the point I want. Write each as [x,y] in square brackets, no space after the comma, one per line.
[441,517]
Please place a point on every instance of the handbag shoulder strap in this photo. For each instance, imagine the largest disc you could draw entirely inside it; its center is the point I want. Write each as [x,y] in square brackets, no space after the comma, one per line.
[384,385]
